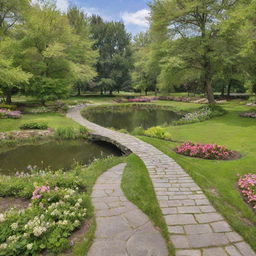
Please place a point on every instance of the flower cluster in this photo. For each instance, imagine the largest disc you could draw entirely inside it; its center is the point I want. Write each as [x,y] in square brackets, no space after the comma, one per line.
[139,100]
[205,151]
[249,114]
[39,191]
[55,211]
[247,185]
[5,113]
[193,117]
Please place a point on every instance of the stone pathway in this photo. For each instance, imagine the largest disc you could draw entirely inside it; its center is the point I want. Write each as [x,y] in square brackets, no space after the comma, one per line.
[122,229]
[196,229]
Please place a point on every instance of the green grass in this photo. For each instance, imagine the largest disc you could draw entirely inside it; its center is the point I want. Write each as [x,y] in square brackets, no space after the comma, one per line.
[54,120]
[138,188]
[218,178]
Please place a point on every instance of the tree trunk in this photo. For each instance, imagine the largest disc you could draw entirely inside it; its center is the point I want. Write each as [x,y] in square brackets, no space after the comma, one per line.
[78,90]
[229,88]
[209,92]
[146,92]
[223,90]
[8,98]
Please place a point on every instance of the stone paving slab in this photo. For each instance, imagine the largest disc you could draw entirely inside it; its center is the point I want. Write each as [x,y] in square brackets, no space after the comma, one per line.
[195,226]
[122,229]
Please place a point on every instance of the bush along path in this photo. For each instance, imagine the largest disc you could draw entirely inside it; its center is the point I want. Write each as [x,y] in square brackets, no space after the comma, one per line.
[195,228]
[122,229]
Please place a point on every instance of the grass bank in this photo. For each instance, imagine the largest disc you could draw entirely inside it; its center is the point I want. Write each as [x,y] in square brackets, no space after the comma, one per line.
[218,178]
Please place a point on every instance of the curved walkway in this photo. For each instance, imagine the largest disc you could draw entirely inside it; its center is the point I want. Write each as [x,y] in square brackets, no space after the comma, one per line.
[196,229]
[122,229]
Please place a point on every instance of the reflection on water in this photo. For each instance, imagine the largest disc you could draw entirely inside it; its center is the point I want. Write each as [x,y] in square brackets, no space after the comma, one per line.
[132,118]
[54,154]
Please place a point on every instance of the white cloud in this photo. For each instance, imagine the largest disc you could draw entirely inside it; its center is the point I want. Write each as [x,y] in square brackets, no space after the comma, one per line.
[138,18]
[62,5]
[90,11]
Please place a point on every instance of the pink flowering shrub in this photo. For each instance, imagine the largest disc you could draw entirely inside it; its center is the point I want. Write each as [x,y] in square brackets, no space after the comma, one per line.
[139,100]
[205,151]
[5,113]
[247,185]
[39,191]
[249,114]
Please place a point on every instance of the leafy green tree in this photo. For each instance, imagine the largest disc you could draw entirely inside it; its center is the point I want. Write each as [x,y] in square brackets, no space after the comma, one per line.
[115,56]
[11,12]
[81,52]
[142,75]
[44,51]
[12,77]
[193,28]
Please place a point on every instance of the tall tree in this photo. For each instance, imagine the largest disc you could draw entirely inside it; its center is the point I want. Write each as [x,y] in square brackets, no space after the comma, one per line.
[115,60]
[81,51]
[142,76]
[193,26]
[11,12]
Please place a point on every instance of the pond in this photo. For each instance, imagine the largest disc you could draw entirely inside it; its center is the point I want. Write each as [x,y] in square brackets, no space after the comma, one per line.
[131,118]
[54,155]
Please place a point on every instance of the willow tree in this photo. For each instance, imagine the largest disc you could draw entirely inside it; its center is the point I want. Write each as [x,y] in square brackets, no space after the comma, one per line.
[193,28]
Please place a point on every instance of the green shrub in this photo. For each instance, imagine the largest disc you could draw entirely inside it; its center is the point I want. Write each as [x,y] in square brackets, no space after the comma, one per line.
[123,131]
[65,133]
[34,126]
[10,107]
[69,133]
[138,131]
[158,132]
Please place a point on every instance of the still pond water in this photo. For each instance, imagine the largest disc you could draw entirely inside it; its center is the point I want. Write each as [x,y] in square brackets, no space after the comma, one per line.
[54,154]
[132,118]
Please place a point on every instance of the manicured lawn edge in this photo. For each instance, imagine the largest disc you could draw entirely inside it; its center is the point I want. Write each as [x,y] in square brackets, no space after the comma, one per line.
[138,188]
[238,214]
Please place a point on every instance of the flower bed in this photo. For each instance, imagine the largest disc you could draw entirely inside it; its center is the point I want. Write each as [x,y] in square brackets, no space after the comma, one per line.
[249,114]
[139,100]
[5,113]
[205,151]
[247,186]
[200,115]
[58,207]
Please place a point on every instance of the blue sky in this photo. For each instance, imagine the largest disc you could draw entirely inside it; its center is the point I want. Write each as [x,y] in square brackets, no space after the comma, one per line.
[132,12]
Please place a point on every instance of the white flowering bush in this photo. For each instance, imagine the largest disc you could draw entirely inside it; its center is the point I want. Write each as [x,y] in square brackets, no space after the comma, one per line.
[202,114]
[58,207]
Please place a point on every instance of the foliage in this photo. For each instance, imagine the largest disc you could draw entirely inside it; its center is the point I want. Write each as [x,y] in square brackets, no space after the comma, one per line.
[190,44]
[249,114]
[69,133]
[138,131]
[158,132]
[34,125]
[142,76]
[113,43]
[56,210]
[6,106]
[247,185]
[139,100]
[206,151]
[204,113]
[14,114]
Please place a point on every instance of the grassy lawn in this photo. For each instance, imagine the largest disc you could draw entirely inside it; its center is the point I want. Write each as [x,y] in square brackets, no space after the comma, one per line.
[218,178]
[54,120]
[138,188]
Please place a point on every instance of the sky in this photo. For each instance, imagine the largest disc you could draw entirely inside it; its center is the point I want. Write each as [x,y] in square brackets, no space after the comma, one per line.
[132,12]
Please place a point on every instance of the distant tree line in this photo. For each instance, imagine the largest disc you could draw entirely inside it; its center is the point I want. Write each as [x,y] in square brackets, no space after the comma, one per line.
[49,54]
[199,46]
